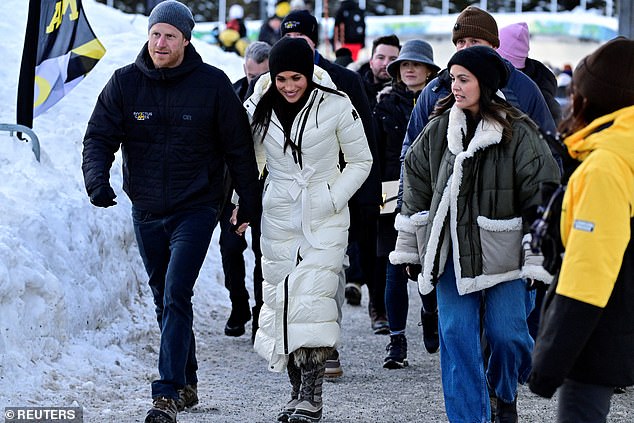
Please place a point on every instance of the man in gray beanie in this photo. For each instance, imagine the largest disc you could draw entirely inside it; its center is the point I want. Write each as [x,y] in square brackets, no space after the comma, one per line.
[174,13]
[168,18]
[179,125]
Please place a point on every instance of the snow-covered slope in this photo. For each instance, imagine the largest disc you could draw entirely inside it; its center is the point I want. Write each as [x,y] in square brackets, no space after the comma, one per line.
[72,285]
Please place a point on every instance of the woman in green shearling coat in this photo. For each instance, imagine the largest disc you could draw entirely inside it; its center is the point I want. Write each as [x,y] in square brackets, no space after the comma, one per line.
[471,184]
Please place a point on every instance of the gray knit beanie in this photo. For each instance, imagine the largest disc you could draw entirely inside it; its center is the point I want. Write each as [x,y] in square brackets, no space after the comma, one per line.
[174,13]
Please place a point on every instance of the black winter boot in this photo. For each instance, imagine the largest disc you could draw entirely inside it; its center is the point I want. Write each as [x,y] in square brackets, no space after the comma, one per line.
[429,322]
[396,352]
[309,408]
[240,315]
[295,377]
[506,412]
[255,325]
[333,365]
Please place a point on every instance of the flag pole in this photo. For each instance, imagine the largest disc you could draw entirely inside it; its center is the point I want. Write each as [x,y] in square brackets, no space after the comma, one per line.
[26,86]
[32,138]
[60,49]
[24,110]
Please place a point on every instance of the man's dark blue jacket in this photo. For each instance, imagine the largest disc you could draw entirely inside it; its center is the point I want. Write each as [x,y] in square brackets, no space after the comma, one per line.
[177,127]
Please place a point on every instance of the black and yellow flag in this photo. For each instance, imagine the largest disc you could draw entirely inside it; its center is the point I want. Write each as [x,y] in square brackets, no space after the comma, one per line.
[59,50]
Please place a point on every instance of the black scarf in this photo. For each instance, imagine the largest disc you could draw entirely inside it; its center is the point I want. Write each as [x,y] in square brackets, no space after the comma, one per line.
[286,113]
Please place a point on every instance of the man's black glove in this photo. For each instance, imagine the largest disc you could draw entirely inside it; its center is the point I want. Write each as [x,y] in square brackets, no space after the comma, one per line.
[103,196]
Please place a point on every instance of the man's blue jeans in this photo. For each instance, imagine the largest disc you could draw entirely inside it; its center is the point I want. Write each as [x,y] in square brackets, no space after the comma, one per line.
[504,312]
[173,248]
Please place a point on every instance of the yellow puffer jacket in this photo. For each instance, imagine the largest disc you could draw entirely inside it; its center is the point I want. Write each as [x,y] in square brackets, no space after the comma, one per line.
[587,326]
[597,207]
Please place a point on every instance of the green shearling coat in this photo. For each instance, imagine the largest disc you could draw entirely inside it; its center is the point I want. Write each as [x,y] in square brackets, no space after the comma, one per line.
[473,200]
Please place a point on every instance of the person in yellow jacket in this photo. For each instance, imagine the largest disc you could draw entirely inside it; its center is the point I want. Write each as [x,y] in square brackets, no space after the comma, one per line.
[585,345]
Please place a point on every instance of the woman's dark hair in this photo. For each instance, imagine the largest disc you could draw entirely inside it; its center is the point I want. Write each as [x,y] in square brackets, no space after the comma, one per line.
[490,107]
[582,112]
[264,109]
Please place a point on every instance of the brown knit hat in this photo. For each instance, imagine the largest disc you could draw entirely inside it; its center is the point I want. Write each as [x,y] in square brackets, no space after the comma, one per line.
[475,22]
[605,76]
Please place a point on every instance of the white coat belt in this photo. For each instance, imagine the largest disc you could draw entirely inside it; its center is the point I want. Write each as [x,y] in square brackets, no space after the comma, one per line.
[298,187]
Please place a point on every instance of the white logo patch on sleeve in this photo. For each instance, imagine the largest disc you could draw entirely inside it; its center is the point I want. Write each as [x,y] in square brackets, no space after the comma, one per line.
[584,225]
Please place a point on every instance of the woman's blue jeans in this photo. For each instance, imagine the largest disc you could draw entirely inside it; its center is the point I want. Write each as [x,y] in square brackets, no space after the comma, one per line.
[396,297]
[502,309]
[173,248]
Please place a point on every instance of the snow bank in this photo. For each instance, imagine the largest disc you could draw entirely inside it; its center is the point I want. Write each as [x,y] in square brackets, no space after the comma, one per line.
[70,275]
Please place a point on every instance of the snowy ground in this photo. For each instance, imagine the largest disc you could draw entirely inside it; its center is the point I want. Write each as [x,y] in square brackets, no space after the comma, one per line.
[76,317]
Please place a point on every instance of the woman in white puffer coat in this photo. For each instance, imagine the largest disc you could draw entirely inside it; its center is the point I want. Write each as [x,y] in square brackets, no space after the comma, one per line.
[300,124]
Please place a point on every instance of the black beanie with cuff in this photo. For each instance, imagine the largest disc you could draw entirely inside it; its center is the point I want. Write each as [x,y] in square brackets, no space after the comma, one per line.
[485,63]
[292,54]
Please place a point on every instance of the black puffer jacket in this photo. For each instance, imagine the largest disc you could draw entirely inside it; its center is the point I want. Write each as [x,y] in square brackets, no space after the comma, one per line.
[391,115]
[372,88]
[177,127]
[547,83]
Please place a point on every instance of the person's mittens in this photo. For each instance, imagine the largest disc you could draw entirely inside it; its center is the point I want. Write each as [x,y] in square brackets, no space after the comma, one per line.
[103,196]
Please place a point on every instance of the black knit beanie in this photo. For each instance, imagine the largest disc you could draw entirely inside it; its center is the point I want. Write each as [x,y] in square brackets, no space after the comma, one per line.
[303,22]
[606,77]
[174,13]
[292,54]
[485,63]
[476,23]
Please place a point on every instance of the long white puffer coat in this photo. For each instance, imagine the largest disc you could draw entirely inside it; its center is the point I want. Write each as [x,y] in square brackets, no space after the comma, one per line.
[305,219]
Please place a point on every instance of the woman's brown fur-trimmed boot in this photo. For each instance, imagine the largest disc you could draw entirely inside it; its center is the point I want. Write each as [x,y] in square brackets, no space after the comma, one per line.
[313,364]
[295,377]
